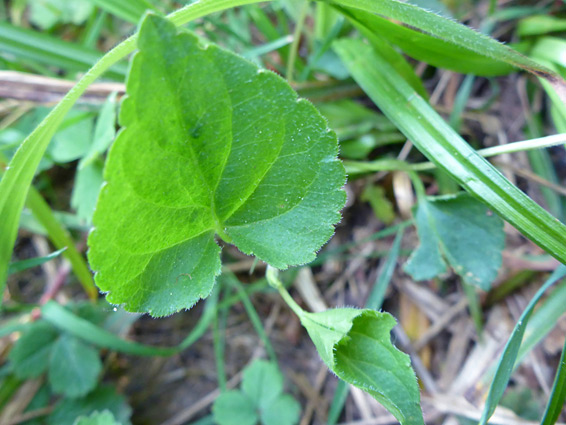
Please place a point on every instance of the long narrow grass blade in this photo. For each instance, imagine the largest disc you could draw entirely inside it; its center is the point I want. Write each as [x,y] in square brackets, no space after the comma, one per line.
[509,356]
[443,146]
[455,33]
[22,265]
[48,50]
[428,48]
[558,393]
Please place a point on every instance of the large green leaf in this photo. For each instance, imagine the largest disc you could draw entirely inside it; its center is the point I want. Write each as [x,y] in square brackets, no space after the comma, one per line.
[220,147]
[461,231]
[19,174]
[443,146]
[356,346]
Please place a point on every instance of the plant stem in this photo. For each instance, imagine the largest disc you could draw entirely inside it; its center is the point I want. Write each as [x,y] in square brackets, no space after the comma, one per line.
[272,276]
[296,41]
[353,167]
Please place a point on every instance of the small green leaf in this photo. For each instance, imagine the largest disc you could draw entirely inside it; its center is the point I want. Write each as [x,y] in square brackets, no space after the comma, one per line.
[262,394]
[234,408]
[285,410]
[30,355]
[102,398]
[98,418]
[73,367]
[221,148]
[104,131]
[356,346]
[461,231]
[88,182]
[262,383]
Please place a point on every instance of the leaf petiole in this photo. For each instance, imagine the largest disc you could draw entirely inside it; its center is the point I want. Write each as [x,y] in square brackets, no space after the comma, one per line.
[272,276]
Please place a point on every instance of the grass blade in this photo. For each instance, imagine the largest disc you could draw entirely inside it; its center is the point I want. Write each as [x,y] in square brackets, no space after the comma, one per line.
[509,356]
[443,146]
[48,50]
[22,265]
[428,48]
[558,394]
[455,33]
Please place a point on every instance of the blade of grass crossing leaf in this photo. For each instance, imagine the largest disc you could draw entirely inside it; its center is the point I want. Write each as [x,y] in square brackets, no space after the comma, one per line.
[558,393]
[443,146]
[17,179]
[509,356]
[374,301]
[19,266]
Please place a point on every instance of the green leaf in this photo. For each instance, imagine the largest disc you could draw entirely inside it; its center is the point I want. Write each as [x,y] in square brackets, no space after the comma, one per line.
[356,346]
[262,394]
[234,408]
[20,171]
[285,410]
[88,182]
[255,166]
[104,131]
[46,13]
[98,418]
[443,146]
[462,232]
[73,367]
[262,383]
[102,398]
[73,141]
[30,356]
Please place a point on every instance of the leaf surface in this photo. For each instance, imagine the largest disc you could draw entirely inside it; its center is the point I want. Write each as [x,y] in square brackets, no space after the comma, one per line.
[102,398]
[220,147]
[234,408]
[462,232]
[73,367]
[97,418]
[30,355]
[356,346]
